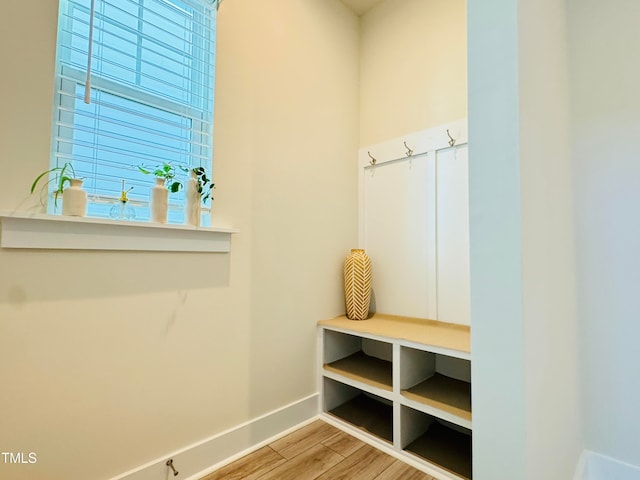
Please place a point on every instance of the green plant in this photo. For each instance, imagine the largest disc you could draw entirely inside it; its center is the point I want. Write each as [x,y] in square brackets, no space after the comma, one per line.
[205,185]
[60,179]
[166,171]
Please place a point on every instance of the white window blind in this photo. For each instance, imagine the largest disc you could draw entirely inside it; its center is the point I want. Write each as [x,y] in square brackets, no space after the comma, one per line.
[151,95]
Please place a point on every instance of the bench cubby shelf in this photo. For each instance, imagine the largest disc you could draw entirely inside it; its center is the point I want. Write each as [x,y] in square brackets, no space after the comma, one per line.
[404,384]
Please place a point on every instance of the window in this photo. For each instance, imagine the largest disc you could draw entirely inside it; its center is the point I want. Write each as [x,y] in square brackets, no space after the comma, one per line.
[151,95]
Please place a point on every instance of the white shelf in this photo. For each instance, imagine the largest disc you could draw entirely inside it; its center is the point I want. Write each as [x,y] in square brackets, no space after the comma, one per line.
[362,368]
[419,370]
[37,231]
[448,398]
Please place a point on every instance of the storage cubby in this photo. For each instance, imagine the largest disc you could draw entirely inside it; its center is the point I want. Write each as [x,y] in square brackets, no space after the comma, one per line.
[365,411]
[437,381]
[360,359]
[405,384]
[439,442]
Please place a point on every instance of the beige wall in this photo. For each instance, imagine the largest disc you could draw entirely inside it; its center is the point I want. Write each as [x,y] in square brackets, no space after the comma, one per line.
[413,67]
[111,359]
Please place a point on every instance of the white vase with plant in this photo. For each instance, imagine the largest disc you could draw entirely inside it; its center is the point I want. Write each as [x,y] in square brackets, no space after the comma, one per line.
[165,182]
[197,192]
[193,207]
[159,202]
[74,198]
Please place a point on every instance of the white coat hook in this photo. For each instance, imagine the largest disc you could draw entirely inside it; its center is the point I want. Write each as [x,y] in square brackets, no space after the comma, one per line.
[452,141]
[409,151]
[173,469]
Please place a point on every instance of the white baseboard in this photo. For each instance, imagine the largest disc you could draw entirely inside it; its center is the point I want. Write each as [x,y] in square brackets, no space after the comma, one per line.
[594,466]
[201,458]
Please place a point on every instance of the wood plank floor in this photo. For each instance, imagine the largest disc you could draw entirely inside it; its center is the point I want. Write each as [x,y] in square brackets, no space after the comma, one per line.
[318,451]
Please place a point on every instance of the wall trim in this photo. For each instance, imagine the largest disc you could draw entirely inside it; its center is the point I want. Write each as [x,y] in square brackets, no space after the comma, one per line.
[595,466]
[55,232]
[201,458]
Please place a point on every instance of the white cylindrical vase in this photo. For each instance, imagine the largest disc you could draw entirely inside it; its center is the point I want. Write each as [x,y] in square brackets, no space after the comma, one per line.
[193,202]
[74,199]
[357,284]
[159,202]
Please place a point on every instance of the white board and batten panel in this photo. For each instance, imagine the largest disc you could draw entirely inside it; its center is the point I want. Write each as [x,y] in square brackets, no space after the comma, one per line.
[452,268]
[414,223]
[399,247]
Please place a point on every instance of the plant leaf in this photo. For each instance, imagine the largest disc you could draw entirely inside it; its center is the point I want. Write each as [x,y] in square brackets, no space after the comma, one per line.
[63,179]
[68,166]
[35,182]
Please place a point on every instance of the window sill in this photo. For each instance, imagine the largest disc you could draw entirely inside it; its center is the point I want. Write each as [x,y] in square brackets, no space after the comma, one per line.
[56,232]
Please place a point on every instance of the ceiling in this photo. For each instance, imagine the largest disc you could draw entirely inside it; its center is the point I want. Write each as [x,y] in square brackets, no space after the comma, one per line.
[361,6]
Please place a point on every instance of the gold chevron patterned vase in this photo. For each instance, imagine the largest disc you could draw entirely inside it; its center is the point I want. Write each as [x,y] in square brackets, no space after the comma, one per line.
[357,284]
